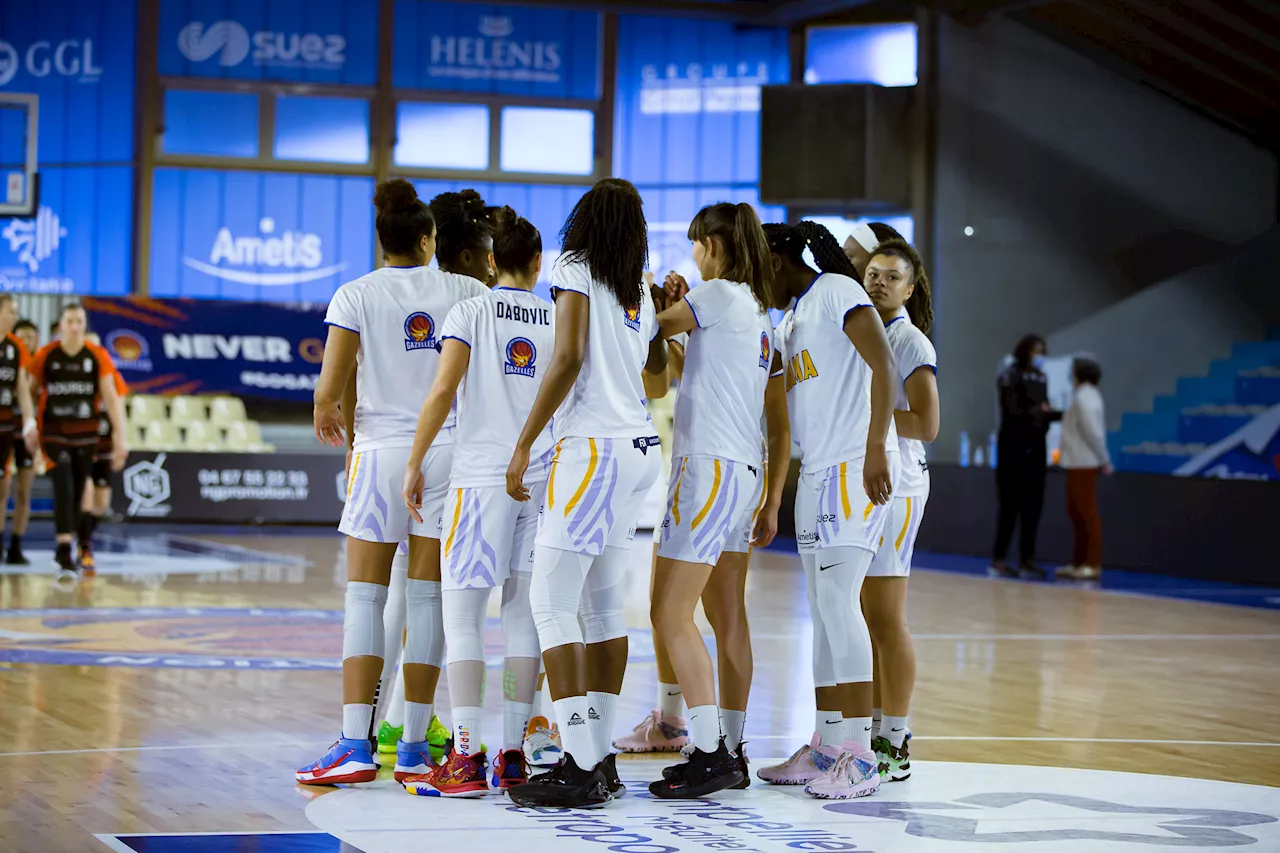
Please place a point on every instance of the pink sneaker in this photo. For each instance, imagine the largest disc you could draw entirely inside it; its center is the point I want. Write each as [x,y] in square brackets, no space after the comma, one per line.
[855,774]
[655,733]
[807,763]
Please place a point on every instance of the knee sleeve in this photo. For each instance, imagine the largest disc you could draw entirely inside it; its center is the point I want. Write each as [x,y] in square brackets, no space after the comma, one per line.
[606,593]
[424,636]
[555,591]
[464,611]
[824,674]
[837,589]
[518,630]
[362,621]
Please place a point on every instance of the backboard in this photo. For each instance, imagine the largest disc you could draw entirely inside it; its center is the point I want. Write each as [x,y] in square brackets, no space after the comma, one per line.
[19,180]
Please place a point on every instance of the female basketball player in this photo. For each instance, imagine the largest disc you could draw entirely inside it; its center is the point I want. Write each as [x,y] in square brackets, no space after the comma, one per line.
[717,483]
[606,460]
[73,376]
[841,387]
[385,327]
[18,428]
[464,231]
[489,361]
[861,244]
[97,493]
[897,283]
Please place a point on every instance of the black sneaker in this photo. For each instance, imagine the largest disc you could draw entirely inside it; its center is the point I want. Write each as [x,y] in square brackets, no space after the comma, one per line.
[742,766]
[15,557]
[1028,570]
[565,786]
[704,773]
[614,782]
[1001,569]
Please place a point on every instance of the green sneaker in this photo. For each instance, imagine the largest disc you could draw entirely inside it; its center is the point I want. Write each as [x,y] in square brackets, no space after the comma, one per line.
[895,762]
[439,739]
[388,736]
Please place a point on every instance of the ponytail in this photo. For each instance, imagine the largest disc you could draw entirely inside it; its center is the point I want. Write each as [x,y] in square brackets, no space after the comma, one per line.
[738,228]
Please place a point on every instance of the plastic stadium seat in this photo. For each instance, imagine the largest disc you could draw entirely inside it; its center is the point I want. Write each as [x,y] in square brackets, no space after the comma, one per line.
[202,436]
[225,411]
[146,408]
[247,436]
[185,410]
[161,435]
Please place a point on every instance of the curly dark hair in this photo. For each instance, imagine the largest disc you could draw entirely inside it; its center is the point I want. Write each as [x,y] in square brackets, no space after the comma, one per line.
[920,303]
[607,232]
[463,221]
[516,242]
[1022,350]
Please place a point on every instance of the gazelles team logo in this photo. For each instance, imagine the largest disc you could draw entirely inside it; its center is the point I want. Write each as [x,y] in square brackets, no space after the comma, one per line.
[521,356]
[129,349]
[632,317]
[764,350]
[420,332]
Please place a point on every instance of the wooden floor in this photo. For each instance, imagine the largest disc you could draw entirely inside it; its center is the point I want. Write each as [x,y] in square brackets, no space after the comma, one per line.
[171,698]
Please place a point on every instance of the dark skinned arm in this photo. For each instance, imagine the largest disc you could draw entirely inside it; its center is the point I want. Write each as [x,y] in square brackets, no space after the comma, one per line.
[865,331]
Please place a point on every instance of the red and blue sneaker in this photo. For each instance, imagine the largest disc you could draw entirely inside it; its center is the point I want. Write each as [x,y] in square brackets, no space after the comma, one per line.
[458,776]
[348,760]
[509,770]
[413,759]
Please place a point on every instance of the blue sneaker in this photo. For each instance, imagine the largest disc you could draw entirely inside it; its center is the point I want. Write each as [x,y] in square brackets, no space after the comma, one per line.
[413,759]
[348,760]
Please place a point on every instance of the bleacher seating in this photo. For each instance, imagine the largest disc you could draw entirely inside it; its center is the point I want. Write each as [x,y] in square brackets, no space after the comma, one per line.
[193,424]
[1202,411]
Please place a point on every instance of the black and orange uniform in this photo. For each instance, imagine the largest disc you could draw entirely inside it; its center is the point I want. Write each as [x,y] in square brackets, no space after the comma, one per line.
[68,415]
[14,358]
[102,457]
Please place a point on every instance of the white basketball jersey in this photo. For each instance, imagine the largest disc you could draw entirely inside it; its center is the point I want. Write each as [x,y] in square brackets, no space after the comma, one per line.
[828,383]
[397,312]
[913,350]
[607,399]
[511,334]
[726,369]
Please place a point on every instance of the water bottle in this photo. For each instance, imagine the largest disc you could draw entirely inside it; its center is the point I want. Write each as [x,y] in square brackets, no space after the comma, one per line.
[964,449]
[991,449]
[978,458]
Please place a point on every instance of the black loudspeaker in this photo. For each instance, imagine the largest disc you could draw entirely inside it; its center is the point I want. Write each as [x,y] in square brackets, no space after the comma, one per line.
[835,146]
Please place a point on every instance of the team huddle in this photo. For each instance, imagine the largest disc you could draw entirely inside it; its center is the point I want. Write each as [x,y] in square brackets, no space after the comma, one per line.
[499,441]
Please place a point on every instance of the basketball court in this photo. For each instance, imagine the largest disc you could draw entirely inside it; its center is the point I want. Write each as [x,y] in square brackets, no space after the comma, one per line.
[164,705]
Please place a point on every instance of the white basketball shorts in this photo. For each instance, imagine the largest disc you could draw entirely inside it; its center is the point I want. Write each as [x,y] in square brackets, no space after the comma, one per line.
[898,540]
[487,536]
[711,508]
[375,510]
[833,510]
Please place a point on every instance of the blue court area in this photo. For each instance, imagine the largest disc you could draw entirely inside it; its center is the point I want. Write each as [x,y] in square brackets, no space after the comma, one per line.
[282,842]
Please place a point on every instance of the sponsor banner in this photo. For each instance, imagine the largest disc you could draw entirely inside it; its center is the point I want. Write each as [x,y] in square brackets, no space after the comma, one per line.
[688,99]
[1250,453]
[181,346]
[505,50]
[255,236]
[294,40]
[238,488]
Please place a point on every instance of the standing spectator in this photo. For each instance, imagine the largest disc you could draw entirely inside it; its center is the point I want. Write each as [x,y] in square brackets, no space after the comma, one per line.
[1084,456]
[1025,415]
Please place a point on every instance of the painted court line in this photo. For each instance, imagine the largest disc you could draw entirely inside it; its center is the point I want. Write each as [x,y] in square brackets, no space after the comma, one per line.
[251,745]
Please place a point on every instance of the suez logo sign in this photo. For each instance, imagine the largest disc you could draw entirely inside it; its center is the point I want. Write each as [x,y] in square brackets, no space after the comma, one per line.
[298,254]
[493,55]
[68,58]
[230,42]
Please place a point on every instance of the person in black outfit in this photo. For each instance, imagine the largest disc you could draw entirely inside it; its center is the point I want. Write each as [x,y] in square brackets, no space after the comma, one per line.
[1025,415]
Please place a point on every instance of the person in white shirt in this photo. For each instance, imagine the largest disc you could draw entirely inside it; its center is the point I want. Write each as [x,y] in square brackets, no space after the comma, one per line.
[385,327]
[717,487]
[897,283]
[1085,456]
[841,388]
[492,359]
[606,459]
[464,238]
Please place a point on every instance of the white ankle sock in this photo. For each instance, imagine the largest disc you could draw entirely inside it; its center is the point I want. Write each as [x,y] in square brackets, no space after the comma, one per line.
[876,715]
[575,734]
[830,727]
[466,729]
[356,719]
[417,716]
[515,720]
[732,724]
[704,727]
[895,729]
[605,706]
[858,730]
[670,700]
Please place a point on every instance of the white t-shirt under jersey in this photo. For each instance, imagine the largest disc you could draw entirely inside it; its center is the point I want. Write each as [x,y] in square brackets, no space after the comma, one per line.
[913,351]
[397,312]
[828,383]
[511,334]
[726,368]
[607,398]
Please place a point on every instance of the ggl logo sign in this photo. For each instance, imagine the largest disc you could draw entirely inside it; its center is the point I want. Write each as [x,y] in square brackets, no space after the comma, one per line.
[68,58]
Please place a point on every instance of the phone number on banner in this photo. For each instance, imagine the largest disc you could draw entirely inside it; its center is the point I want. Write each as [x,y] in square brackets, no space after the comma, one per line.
[231,484]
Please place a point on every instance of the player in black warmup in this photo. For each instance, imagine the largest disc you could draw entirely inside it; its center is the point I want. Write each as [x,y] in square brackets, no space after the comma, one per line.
[74,376]
[17,413]
[24,463]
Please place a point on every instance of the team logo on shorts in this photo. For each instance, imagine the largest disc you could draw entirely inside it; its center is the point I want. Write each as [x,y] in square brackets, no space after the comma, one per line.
[631,316]
[521,356]
[764,350]
[420,332]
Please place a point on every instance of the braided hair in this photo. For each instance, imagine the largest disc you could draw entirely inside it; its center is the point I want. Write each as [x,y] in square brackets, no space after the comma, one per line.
[919,304]
[790,241]
[607,232]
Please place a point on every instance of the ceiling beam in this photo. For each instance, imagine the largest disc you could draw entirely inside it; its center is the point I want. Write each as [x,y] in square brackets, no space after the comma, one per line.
[1160,13]
[790,13]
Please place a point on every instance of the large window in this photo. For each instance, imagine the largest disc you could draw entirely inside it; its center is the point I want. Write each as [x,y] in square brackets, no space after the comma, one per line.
[560,142]
[442,136]
[334,130]
[210,124]
[884,54]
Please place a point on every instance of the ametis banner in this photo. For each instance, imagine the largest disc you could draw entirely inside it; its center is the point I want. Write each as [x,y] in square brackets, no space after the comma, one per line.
[187,346]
